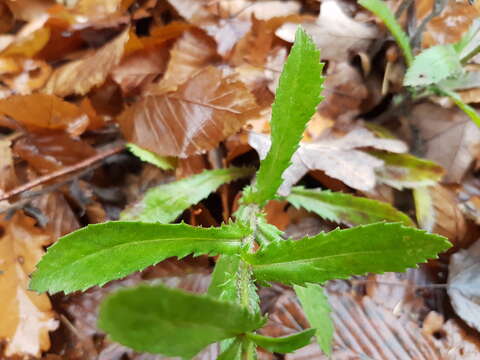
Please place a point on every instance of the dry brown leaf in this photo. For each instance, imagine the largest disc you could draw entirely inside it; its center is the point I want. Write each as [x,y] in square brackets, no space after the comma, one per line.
[80,76]
[194,11]
[344,91]
[28,10]
[31,38]
[192,52]
[26,316]
[7,168]
[59,214]
[51,151]
[464,284]
[450,138]
[51,113]
[440,212]
[245,9]
[201,113]
[469,198]
[227,32]
[456,343]
[450,25]
[339,158]
[140,68]
[337,35]
[32,76]
[363,330]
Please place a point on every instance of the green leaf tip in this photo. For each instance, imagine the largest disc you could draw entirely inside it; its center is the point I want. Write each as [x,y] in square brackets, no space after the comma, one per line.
[171,322]
[163,162]
[339,254]
[296,99]
[100,253]
[284,344]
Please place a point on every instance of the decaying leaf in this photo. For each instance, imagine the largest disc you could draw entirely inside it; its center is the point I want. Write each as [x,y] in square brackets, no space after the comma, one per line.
[51,151]
[450,137]
[340,158]
[464,284]
[26,316]
[191,53]
[438,211]
[201,113]
[51,113]
[7,169]
[344,92]
[337,34]
[363,330]
[80,76]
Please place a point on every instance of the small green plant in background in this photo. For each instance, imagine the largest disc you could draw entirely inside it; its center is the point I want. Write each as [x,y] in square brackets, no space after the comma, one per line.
[157,319]
[438,70]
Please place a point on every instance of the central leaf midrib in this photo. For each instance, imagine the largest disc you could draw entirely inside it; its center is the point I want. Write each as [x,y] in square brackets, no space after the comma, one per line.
[144,242]
[310,260]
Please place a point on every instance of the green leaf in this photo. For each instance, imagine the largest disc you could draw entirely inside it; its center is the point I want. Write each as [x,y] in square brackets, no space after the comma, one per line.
[317,310]
[163,162]
[424,208]
[433,65]
[297,96]
[339,254]
[407,171]
[157,319]
[232,352]
[223,285]
[467,109]
[345,208]
[267,233]
[285,344]
[165,203]
[469,44]
[380,8]
[99,253]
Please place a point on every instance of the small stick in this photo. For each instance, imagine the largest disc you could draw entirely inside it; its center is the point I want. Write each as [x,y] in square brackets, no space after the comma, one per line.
[63,171]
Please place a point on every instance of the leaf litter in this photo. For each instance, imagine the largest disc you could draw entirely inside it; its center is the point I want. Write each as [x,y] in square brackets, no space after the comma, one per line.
[189,79]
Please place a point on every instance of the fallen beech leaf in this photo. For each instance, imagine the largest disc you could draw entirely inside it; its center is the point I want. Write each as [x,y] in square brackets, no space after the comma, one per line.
[449,135]
[464,284]
[456,343]
[7,169]
[337,34]
[227,32]
[438,211]
[449,27]
[140,68]
[201,113]
[194,11]
[244,9]
[33,76]
[7,19]
[28,10]
[28,41]
[469,198]
[344,92]
[26,316]
[363,330]
[338,158]
[191,53]
[51,113]
[79,76]
[51,151]
[61,220]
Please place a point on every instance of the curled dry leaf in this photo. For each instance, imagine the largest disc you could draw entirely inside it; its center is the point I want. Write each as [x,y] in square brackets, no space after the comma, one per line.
[450,138]
[140,68]
[464,284]
[80,76]
[51,151]
[8,178]
[26,316]
[438,211]
[61,219]
[32,76]
[340,158]
[337,35]
[344,92]
[51,113]
[192,52]
[195,118]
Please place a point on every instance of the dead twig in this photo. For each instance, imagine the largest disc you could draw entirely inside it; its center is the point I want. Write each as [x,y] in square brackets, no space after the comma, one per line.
[63,171]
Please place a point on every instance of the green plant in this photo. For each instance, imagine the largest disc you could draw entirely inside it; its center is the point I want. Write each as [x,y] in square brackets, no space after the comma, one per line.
[161,320]
[440,69]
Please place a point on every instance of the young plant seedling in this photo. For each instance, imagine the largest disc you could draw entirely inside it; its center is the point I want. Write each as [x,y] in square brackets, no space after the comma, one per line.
[171,322]
[438,70]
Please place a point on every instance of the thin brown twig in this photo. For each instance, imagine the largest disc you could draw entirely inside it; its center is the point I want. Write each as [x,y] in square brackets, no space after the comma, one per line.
[61,172]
